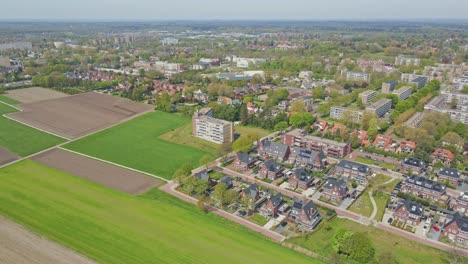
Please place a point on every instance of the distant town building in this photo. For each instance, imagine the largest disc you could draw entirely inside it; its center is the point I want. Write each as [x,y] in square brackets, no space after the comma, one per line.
[419,81]
[407,61]
[356,76]
[206,127]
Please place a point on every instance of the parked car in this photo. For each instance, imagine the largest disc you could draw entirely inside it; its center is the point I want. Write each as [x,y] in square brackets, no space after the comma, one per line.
[390,220]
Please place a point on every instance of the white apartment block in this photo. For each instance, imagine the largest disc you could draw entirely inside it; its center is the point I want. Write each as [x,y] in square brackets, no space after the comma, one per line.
[336,112]
[206,127]
[357,76]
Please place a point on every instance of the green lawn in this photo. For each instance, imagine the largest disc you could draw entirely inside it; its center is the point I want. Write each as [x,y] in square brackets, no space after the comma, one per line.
[21,139]
[258,219]
[362,205]
[376,163]
[113,227]
[404,250]
[183,136]
[8,100]
[252,131]
[137,144]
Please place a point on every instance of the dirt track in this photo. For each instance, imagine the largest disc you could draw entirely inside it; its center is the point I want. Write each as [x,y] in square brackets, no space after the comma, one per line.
[19,246]
[99,172]
[78,115]
[34,94]
[6,156]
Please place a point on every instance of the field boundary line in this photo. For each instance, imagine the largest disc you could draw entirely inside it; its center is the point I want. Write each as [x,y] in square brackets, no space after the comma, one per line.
[113,163]
[12,106]
[40,129]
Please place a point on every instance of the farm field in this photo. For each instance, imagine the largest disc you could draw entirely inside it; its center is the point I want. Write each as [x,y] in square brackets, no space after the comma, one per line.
[115,177]
[21,139]
[137,144]
[34,94]
[404,250]
[78,115]
[113,227]
[20,245]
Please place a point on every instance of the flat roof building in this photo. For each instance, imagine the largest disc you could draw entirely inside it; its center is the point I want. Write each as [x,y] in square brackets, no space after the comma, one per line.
[388,87]
[381,107]
[206,127]
[403,93]
[367,96]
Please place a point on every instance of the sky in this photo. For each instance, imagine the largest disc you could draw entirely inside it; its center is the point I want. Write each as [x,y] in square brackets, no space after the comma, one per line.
[116,10]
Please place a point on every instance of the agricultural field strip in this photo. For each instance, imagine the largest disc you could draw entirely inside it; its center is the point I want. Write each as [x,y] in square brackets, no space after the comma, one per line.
[21,110]
[68,140]
[115,164]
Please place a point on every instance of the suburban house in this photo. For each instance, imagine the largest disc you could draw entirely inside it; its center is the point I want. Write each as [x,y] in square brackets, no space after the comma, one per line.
[244,161]
[204,176]
[334,189]
[425,188]
[227,180]
[274,150]
[270,169]
[413,165]
[457,230]
[307,158]
[443,155]
[353,170]
[305,215]
[449,174]
[299,178]
[460,204]
[299,138]
[322,125]
[406,146]
[382,141]
[409,212]
[253,192]
[270,209]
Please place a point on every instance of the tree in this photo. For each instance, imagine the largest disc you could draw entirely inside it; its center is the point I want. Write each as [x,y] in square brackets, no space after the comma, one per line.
[257,79]
[184,170]
[223,150]
[452,138]
[201,203]
[366,118]
[298,107]
[219,193]
[201,186]
[357,246]
[231,196]
[373,129]
[163,102]
[242,144]
[247,99]
[355,142]
[301,119]
[189,184]
[244,114]
[318,93]
[247,203]
[395,99]
[281,126]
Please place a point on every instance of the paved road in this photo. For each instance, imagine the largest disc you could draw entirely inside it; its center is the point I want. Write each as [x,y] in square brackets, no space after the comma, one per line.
[170,188]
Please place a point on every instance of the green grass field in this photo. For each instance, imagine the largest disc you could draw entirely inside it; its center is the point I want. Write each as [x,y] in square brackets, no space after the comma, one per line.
[183,136]
[137,144]
[252,131]
[404,250]
[21,139]
[113,227]
[376,163]
[8,100]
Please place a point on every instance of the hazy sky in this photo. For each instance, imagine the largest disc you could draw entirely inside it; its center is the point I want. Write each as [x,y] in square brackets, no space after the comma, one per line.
[233,9]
